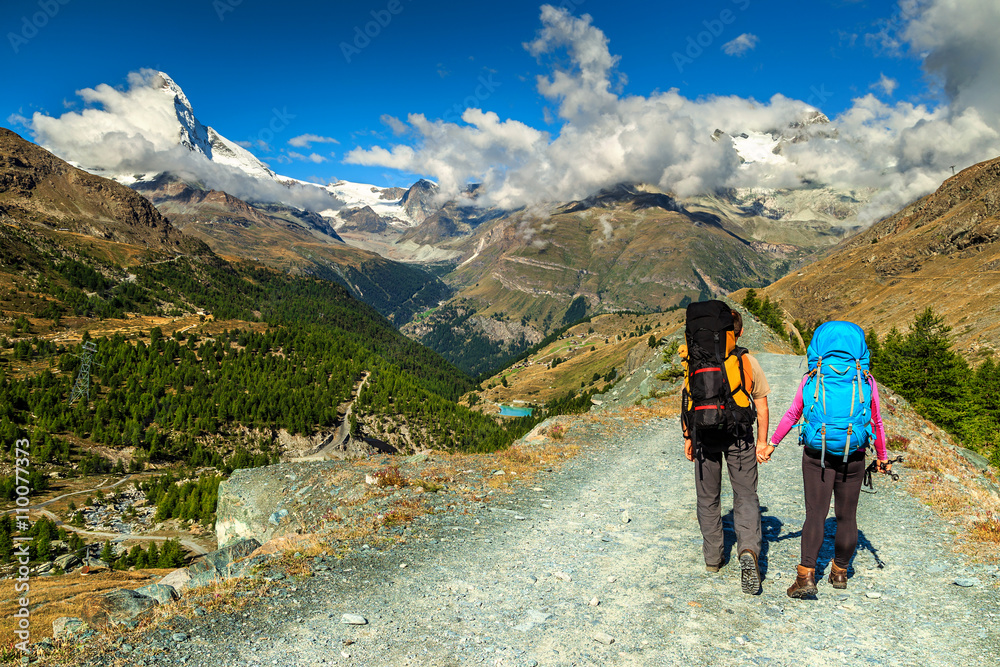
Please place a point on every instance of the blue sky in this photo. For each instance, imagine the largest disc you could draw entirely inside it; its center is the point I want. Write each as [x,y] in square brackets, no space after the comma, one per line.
[239,61]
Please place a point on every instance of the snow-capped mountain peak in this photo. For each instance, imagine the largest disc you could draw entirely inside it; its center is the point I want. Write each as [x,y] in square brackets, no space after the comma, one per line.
[200,138]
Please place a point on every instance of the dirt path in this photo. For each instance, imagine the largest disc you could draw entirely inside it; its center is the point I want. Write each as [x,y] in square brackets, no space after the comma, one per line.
[342,433]
[194,547]
[608,547]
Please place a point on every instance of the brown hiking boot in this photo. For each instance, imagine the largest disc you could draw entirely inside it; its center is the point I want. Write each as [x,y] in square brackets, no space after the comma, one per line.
[804,584]
[838,576]
[749,572]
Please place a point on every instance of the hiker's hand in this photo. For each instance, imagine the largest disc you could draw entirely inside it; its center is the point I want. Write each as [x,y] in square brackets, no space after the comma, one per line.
[689,449]
[764,450]
[885,467]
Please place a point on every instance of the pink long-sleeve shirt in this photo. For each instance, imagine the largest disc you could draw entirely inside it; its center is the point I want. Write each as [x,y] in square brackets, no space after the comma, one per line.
[795,412]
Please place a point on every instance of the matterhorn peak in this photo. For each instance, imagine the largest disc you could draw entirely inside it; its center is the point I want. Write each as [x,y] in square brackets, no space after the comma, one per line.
[198,137]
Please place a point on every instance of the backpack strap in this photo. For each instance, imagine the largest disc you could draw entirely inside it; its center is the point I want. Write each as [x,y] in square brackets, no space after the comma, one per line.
[745,387]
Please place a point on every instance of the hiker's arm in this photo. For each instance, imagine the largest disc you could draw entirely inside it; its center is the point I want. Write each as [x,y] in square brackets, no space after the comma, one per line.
[880,450]
[791,417]
[688,445]
[763,422]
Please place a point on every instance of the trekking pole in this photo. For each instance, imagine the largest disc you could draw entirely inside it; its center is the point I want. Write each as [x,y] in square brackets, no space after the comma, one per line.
[873,468]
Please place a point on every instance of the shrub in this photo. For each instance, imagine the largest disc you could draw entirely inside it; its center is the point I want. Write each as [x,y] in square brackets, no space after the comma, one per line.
[426,485]
[987,530]
[390,476]
[897,442]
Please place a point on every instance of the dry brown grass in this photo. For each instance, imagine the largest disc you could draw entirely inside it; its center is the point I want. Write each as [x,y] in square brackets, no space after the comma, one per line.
[940,494]
[401,512]
[942,478]
[390,476]
[664,407]
[62,595]
[218,597]
[986,530]
[426,485]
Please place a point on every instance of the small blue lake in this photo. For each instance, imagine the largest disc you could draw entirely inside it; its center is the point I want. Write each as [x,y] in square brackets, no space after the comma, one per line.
[508,411]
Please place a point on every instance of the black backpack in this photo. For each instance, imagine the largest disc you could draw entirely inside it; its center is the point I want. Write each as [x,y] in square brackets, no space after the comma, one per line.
[717,408]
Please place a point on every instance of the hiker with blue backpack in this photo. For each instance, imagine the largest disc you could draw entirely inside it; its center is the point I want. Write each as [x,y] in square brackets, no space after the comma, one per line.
[838,403]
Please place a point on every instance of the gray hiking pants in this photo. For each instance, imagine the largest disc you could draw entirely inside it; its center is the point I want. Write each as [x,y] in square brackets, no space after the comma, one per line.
[741,459]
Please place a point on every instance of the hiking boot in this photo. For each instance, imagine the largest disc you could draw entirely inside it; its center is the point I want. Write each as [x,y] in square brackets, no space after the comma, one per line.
[838,576]
[749,572]
[805,584]
[714,568]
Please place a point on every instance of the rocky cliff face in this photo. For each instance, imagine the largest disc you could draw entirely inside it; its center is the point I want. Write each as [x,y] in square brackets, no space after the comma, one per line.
[36,187]
[363,220]
[418,201]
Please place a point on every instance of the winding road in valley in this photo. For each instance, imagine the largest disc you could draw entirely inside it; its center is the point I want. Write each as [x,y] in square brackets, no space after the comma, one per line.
[191,545]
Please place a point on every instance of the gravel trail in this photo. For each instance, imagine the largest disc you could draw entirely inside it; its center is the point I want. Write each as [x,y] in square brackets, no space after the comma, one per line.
[515,582]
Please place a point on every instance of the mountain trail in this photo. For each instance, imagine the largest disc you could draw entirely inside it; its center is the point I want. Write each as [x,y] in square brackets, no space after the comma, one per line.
[599,562]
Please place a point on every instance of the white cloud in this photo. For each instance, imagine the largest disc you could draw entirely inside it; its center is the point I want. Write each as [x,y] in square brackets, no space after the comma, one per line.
[397,126]
[905,150]
[740,45]
[313,157]
[886,85]
[963,51]
[306,140]
[601,137]
[136,130]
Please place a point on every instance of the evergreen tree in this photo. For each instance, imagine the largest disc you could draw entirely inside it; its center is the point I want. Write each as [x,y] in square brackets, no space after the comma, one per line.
[152,555]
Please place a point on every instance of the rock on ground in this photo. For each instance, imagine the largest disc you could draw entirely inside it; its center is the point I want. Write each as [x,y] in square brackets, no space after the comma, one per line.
[119,606]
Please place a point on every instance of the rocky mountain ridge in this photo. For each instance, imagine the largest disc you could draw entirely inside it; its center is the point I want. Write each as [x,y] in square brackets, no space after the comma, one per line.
[941,251]
[37,188]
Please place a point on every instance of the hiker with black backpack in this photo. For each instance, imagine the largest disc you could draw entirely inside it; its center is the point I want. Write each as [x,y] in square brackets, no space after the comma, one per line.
[838,402]
[725,394]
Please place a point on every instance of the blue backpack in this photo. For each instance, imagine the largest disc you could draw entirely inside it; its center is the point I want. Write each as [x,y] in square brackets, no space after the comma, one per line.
[837,399]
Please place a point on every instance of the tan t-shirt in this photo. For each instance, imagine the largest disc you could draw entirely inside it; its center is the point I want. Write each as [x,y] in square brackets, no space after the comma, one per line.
[760,388]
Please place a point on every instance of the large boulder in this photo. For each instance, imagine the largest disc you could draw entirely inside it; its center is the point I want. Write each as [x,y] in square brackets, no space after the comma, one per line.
[119,606]
[67,561]
[67,627]
[283,499]
[222,559]
[178,579]
[162,593]
[215,566]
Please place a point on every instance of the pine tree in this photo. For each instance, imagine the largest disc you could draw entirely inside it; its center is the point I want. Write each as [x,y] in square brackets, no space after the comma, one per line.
[152,555]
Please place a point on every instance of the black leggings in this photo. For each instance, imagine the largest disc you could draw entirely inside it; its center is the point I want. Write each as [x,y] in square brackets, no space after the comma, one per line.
[819,485]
